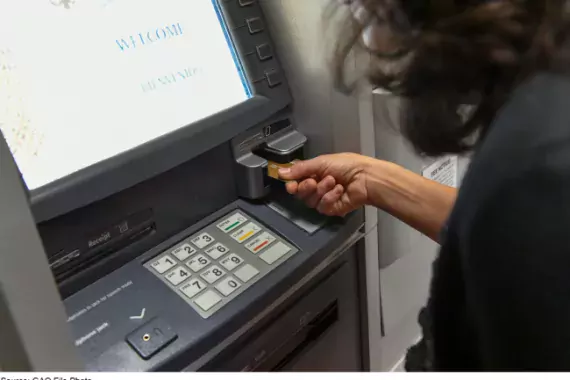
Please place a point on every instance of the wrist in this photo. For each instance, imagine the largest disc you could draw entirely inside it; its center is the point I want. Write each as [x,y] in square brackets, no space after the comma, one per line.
[381,181]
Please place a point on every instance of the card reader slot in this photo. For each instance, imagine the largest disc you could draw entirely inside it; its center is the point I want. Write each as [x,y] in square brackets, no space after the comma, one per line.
[283,158]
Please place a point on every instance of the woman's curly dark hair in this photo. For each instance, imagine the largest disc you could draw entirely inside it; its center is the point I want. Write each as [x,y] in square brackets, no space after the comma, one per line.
[442,54]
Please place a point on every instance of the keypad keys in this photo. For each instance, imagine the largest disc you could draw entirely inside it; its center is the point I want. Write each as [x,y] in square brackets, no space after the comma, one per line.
[213,274]
[216,251]
[178,276]
[198,263]
[275,253]
[217,263]
[243,234]
[246,273]
[231,223]
[203,240]
[183,252]
[163,264]
[228,285]
[231,262]
[192,288]
[208,300]
[260,242]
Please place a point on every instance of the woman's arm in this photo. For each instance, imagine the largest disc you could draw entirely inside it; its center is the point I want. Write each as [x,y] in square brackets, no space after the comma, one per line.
[337,184]
[419,202]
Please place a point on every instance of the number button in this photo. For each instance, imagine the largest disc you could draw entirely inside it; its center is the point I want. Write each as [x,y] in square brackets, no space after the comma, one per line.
[178,276]
[163,264]
[228,285]
[198,263]
[192,288]
[231,262]
[213,274]
[183,252]
[217,251]
[203,240]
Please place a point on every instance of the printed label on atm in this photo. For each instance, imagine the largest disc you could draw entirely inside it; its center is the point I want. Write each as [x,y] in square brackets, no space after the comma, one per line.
[246,232]
[261,242]
[232,222]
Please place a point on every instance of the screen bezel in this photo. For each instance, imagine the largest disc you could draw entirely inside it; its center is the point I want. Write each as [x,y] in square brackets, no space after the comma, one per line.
[129,168]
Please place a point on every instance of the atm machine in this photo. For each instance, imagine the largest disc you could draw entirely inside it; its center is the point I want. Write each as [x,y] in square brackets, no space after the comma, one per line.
[143,140]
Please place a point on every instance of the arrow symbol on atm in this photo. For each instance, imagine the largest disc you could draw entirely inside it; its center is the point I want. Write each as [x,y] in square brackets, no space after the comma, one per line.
[135,317]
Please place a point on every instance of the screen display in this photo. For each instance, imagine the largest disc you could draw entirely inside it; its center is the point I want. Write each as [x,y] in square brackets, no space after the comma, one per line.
[84,80]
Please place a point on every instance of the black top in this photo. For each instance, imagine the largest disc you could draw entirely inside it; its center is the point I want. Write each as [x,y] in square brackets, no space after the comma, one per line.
[500,295]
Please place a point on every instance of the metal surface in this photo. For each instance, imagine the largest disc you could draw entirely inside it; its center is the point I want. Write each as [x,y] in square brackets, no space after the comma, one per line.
[295,211]
[339,347]
[317,330]
[252,179]
[32,320]
[287,143]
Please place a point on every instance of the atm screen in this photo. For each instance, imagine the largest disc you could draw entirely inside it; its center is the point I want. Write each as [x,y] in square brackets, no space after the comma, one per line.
[84,80]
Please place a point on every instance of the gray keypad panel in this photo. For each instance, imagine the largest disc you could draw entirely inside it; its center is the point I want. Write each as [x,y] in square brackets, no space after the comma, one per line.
[215,265]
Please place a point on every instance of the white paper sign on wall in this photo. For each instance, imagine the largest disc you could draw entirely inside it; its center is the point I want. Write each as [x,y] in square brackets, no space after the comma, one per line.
[444,171]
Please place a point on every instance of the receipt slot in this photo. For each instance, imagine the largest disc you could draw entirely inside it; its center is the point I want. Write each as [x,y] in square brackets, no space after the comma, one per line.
[279,142]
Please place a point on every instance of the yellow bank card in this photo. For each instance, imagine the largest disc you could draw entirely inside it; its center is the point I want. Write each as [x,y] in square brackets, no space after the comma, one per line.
[273,168]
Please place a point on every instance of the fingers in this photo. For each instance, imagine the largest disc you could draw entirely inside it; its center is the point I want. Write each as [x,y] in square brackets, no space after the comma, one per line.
[306,189]
[292,187]
[331,203]
[308,180]
[323,187]
[325,196]
[303,169]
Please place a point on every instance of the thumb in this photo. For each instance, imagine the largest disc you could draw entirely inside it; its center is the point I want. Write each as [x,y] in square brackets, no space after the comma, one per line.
[302,169]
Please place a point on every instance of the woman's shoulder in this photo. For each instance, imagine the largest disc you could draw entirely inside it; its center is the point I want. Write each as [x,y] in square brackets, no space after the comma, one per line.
[537,114]
[531,134]
[509,238]
[534,121]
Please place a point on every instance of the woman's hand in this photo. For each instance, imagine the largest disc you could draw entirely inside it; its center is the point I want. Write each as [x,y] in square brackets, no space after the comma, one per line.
[340,183]
[333,184]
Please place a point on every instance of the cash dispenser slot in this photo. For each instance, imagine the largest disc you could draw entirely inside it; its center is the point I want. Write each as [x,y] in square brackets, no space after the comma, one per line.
[278,345]
[305,338]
